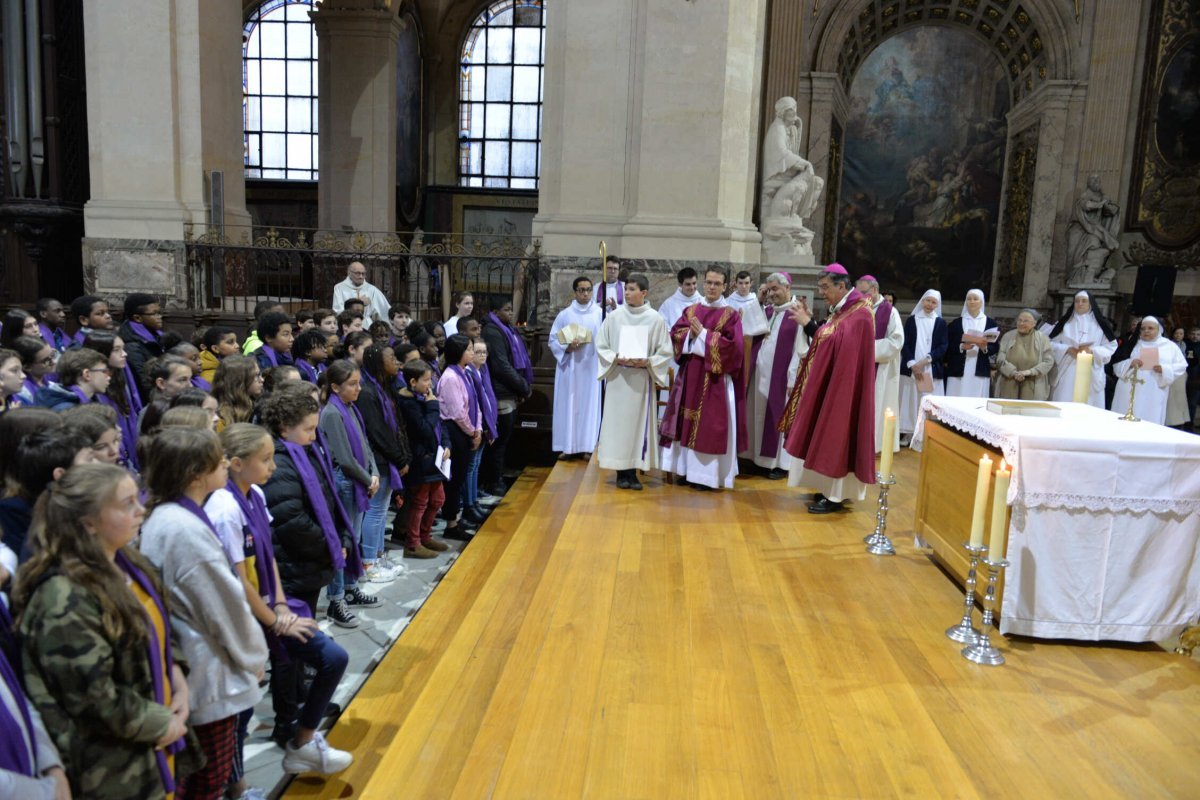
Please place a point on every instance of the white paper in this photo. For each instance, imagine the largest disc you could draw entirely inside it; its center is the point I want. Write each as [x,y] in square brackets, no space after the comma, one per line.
[991,334]
[442,459]
[634,342]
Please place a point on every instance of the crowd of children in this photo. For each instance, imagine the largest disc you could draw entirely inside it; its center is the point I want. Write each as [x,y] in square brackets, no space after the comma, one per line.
[174,507]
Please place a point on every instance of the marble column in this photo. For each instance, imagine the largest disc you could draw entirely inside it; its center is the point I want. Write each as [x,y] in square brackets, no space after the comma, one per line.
[653,148]
[357,116]
[164,109]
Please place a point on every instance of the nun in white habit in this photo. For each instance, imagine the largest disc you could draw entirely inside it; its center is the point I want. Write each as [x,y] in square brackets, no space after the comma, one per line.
[968,363]
[1082,329]
[925,345]
[1150,402]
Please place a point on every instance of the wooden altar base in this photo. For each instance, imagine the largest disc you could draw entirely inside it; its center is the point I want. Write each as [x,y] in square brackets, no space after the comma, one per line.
[674,643]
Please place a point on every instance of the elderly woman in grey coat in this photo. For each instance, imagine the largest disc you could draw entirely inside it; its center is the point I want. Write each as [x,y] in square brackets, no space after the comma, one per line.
[1024,361]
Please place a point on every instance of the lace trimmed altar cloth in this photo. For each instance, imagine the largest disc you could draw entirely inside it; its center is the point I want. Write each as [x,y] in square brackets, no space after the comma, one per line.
[1105,536]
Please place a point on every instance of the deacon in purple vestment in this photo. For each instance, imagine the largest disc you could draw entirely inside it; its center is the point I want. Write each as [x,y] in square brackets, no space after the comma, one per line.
[703,426]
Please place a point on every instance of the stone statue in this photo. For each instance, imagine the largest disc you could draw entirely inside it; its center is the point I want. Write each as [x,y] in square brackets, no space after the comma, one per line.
[1091,238]
[791,188]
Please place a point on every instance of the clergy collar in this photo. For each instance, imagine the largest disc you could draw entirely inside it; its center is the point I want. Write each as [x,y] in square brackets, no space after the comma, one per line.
[841,302]
[720,302]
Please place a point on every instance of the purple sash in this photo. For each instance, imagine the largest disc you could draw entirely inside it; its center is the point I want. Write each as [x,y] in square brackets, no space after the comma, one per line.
[200,383]
[307,371]
[520,356]
[321,509]
[882,315]
[14,755]
[389,416]
[156,664]
[53,336]
[82,395]
[271,355]
[777,395]
[604,300]
[469,385]
[144,333]
[352,421]
[79,336]
[487,399]
[127,424]
[187,504]
[31,386]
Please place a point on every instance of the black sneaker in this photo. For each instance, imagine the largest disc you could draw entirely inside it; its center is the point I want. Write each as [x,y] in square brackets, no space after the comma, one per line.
[357,598]
[339,614]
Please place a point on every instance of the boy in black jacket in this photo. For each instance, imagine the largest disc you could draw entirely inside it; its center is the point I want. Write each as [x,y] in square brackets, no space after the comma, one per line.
[423,484]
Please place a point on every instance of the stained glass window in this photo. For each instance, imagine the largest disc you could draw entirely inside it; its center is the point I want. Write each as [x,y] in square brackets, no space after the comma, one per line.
[500,96]
[279,91]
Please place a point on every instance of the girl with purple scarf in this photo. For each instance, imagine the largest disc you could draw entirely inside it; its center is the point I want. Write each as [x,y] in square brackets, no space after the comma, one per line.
[482,381]
[463,418]
[121,396]
[96,640]
[239,514]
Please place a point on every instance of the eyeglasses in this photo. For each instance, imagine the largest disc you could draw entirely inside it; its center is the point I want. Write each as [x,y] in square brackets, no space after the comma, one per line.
[98,369]
[47,361]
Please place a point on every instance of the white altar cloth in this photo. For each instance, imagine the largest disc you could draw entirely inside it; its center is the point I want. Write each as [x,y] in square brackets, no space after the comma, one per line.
[1105,532]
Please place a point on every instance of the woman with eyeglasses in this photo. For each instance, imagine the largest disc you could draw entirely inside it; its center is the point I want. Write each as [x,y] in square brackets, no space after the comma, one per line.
[37,360]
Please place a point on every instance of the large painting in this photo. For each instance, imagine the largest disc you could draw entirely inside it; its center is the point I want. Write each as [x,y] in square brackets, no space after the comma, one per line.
[924,152]
[1165,190]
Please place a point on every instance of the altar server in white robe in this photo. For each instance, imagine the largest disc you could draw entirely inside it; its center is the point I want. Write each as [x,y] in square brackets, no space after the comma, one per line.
[754,320]
[889,342]
[687,294]
[1083,329]
[576,390]
[1150,402]
[925,344]
[775,365]
[629,428]
[968,364]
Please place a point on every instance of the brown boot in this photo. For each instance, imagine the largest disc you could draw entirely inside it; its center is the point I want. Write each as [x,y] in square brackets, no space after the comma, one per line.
[420,551]
[434,544]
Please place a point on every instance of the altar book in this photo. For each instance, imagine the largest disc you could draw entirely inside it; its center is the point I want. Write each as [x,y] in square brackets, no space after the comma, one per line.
[634,342]
[1025,408]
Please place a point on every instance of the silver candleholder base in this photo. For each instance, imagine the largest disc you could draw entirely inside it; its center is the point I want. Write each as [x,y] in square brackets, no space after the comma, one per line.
[982,651]
[878,543]
[965,632]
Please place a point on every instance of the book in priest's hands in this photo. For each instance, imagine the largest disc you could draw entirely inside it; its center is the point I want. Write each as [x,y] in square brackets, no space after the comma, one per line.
[634,342]
[1025,408]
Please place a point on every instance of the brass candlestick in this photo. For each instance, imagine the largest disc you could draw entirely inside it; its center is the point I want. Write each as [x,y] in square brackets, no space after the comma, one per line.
[1134,381]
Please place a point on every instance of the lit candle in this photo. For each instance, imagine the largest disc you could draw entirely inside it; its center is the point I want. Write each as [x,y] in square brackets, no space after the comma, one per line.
[1083,378]
[981,489]
[999,534]
[889,436]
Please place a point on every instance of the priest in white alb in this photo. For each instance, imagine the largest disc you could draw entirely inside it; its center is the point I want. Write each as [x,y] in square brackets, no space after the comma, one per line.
[703,426]
[1154,361]
[576,391]
[684,296]
[628,430]
[889,342]
[777,358]
[1083,329]
[746,302]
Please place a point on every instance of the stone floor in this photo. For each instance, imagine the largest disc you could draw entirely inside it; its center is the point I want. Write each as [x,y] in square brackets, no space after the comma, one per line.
[366,645]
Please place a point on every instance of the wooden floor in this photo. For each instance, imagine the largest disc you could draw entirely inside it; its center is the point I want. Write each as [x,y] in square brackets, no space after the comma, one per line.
[671,643]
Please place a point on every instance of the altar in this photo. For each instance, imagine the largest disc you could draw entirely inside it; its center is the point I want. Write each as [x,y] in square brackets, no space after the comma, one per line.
[1104,536]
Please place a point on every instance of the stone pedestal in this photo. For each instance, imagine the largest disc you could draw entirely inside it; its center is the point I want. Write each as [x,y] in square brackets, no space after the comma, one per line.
[658,156]
[357,117]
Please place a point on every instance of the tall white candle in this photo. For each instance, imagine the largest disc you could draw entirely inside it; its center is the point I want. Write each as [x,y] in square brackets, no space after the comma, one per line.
[889,436]
[1083,378]
[981,489]
[997,541]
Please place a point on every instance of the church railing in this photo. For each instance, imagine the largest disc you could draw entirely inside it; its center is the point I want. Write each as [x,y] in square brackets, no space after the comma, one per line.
[232,269]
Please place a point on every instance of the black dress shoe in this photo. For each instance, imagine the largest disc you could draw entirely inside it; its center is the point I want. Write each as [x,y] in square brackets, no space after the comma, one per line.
[473,516]
[777,474]
[826,506]
[634,483]
[622,481]
[459,533]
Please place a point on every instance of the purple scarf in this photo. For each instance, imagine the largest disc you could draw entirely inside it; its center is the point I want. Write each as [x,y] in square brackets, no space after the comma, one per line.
[520,356]
[200,383]
[187,504]
[156,664]
[32,386]
[472,396]
[307,371]
[144,333]
[352,562]
[14,755]
[79,336]
[83,398]
[487,399]
[352,421]
[127,424]
[270,353]
[55,337]
[389,416]
[883,315]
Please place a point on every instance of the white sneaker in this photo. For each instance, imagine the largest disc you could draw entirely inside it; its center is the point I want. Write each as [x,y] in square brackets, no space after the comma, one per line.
[316,756]
[392,566]
[377,573]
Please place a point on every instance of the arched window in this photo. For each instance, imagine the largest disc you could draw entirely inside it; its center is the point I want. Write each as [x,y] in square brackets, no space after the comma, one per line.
[500,96]
[279,90]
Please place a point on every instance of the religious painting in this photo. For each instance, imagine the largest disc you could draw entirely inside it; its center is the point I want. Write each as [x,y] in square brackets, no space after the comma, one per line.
[408,122]
[1165,190]
[923,155]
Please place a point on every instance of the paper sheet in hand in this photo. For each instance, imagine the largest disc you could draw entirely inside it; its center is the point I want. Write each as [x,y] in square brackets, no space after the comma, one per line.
[1149,357]
[442,465]
[924,381]
[634,342]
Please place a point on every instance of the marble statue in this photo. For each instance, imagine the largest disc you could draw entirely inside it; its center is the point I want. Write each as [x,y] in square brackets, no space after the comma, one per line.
[791,188]
[1091,238]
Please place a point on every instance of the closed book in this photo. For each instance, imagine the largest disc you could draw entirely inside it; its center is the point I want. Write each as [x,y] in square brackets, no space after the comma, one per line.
[1025,408]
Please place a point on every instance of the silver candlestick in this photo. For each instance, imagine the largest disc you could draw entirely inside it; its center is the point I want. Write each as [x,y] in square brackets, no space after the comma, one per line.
[878,543]
[965,632]
[982,651]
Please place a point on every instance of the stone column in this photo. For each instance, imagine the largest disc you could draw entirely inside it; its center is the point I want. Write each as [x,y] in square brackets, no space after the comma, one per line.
[164,109]
[654,148]
[356,116]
